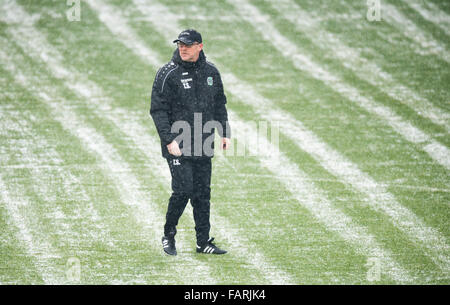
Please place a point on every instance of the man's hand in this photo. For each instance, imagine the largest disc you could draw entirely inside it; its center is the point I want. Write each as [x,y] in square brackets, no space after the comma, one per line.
[174,149]
[226,142]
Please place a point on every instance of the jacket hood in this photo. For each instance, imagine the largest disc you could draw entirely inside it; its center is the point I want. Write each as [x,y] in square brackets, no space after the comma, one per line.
[176,58]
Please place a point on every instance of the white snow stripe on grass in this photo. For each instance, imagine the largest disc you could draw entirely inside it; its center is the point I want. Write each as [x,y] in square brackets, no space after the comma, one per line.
[276,165]
[39,249]
[430,12]
[339,166]
[123,33]
[377,195]
[151,148]
[425,41]
[352,60]
[35,44]
[93,224]
[438,152]
[302,62]
[313,200]
[114,167]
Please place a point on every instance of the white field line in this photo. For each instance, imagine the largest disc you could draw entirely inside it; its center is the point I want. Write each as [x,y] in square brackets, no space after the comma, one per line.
[431,13]
[393,184]
[40,176]
[428,45]
[309,196]
[302,62]
[312,180]
[35,44]
[377,195]
[364,69]
[150,146]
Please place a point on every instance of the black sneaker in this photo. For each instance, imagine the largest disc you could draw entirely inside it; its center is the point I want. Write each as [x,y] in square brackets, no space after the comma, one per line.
[210,248]
[169,245]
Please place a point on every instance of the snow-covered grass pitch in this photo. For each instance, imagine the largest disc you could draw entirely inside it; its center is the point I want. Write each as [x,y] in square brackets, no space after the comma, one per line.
[358,192]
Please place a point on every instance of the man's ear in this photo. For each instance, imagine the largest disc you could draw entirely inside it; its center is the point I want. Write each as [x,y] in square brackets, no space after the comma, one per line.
[201,46]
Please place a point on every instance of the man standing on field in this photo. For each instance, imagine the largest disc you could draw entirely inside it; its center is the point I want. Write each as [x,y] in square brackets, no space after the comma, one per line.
[188,95]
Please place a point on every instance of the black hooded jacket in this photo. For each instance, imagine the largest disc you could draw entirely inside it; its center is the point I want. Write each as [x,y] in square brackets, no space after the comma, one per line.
[188,94]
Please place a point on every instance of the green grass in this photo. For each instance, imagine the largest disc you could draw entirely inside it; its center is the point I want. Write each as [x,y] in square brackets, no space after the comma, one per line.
[76,208]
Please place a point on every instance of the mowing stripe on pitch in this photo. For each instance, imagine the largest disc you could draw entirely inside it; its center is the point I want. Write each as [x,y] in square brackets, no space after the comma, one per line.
[93,226]
[114,21]
[302,62]
[352,60]
[89,90]
[378,197]
[430,12]
[38,248]
[27,82]
[339,166]
[312,199]
[425,43]
[115,167]
[399,274]
[36,45]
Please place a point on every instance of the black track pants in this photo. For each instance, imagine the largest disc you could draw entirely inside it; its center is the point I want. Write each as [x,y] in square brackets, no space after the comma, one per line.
[191,179]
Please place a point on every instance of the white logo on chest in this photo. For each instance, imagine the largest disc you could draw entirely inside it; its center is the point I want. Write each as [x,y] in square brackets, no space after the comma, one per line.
[185,83]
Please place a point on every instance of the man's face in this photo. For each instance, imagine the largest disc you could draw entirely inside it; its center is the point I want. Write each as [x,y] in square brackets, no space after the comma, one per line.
[189,52]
